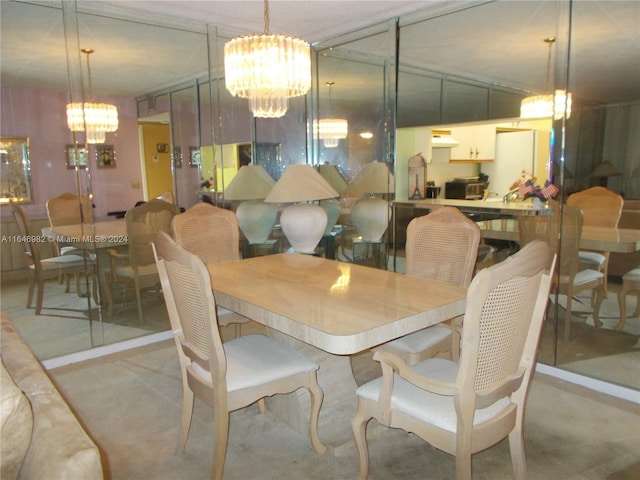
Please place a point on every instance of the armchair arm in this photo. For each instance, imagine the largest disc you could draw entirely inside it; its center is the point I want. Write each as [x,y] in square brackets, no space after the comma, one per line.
[393,363]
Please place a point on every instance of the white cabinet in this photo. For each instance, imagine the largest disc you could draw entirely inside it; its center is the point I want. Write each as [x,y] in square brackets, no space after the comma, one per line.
[476,143]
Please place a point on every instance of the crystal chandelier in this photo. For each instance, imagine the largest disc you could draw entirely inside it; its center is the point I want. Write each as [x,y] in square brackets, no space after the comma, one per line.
[331,130]
[267,69]
[542,106]
[96,119]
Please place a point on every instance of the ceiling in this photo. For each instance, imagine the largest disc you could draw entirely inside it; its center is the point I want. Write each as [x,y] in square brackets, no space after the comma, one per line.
[152,45]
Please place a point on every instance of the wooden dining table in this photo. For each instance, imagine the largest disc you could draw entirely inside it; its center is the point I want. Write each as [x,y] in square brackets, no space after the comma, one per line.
[605,239]
[330,310]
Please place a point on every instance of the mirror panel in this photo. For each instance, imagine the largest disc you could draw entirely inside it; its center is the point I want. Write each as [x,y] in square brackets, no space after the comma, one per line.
[15,176]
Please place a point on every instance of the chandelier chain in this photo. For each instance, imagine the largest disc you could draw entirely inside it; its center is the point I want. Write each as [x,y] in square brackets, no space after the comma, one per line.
[266,17]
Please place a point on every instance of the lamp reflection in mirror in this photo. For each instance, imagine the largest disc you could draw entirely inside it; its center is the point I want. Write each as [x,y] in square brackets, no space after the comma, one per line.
[303,224]
[256,218]
[603,172]
[332,206]
[370,215]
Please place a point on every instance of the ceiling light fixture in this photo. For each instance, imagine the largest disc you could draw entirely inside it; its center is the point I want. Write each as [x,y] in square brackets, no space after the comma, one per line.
[542,106]
[331,130]
[95,119]
[267,69]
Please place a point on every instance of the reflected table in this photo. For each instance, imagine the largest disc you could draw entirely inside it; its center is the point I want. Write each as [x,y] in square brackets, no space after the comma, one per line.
[329,310]
[606,239]
[94,237]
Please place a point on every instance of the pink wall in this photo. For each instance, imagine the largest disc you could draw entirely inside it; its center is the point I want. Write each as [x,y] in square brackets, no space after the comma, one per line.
[40,115]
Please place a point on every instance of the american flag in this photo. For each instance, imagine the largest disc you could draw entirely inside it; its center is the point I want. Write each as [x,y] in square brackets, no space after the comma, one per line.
[525,188]
[549,190]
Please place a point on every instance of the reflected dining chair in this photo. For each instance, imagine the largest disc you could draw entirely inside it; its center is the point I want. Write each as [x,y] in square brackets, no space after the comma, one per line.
[137,267]
[562,231]
[467,406]
[227,376]
[441,245]
[211,233]
[69,209]
[630,283]
[600,208]
[75,265]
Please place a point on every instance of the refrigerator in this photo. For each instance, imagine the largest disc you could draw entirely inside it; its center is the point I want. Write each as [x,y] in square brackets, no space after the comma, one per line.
[516,151]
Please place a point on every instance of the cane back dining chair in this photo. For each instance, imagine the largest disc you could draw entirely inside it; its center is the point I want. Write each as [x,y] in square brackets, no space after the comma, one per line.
[562,231]
[226,376]
[211,233]
[75,265]
[69,209]
[137,267]
[467,406]
[600,208]
[441,245]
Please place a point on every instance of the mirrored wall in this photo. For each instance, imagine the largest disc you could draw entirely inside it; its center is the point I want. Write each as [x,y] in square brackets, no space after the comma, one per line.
[181,131]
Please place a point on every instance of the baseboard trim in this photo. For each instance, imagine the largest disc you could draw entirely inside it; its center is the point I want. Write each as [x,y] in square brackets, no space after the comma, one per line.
[104,350]
[624,393]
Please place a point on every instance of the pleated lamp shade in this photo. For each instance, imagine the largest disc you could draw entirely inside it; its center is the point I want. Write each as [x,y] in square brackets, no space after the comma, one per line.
[303,224]
[256,218]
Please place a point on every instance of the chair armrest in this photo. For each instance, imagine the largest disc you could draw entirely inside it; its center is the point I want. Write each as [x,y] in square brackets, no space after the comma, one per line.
[393,363]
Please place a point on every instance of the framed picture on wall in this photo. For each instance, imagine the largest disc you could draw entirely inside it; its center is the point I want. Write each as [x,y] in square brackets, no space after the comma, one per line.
[105,156]
[177,157]
[76,156]
[194,157]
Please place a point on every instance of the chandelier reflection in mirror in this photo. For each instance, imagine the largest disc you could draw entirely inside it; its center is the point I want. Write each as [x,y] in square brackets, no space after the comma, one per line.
[267,69]
[96,119]
[331,130]
[542,106]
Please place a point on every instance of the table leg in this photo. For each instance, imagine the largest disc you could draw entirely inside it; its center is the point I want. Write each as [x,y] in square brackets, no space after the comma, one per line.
[340,402]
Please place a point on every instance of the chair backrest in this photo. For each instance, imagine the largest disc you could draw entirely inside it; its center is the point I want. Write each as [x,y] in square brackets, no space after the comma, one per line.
[143,223]
[505,308]
[442,245]
[600,206]
[69,209]
[561,231]
[209,232]
[24,228]
[186,286]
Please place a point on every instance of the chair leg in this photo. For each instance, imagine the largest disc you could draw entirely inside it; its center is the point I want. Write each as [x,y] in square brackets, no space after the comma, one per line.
[32,284]
[567,320]
[516,446]
[600,296]
[107,291]
[317,395]
[185,419]
[463,463]
[359,427]
[622,302]
[220,439]
[39,295]
[139,300]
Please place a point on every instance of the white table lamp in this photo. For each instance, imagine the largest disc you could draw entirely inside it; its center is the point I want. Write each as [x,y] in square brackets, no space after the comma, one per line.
[370,215]
[256,218]
[303,223]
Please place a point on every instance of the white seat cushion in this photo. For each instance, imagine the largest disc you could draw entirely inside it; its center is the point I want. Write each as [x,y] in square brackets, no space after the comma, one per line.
[127,270]
[592,258]
[66,261]
[421,340]
[586,276]
[256,359]
[428,407]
